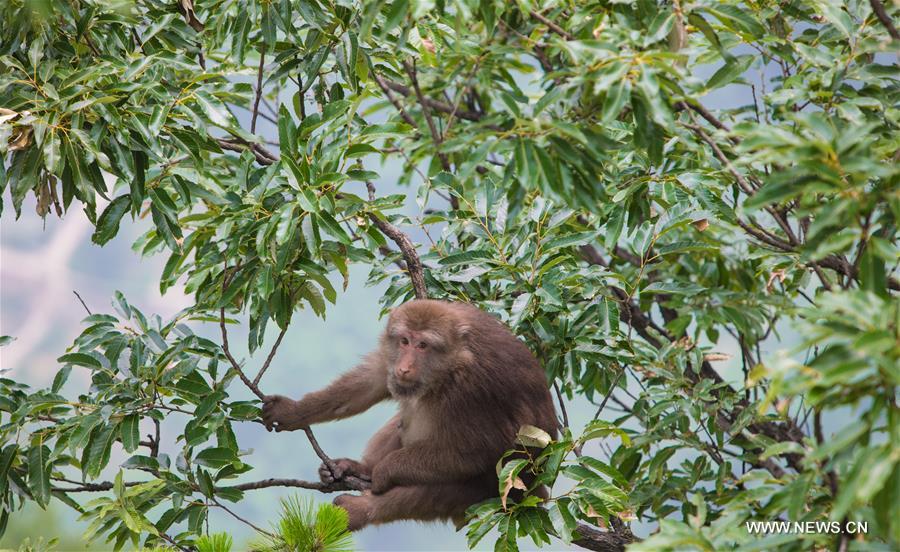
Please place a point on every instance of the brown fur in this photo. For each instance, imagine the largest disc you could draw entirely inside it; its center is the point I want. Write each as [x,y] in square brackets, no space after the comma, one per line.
[465,385]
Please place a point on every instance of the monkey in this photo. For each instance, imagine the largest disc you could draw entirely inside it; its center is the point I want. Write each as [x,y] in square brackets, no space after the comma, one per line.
[465,385]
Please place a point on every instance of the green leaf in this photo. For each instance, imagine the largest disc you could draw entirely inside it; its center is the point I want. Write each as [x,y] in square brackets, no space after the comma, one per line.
[130,433]
[7,456]
[466,257]
[52,157]
[616,98]
[39,474]
[216,457]
[81,359]
[833,11]
[60,378]
[562,519]
[108,223]
[731,70]
[777,449]
[141,462]
[96,455]
[678,288]
[206,483]
[581,238]
[331,226]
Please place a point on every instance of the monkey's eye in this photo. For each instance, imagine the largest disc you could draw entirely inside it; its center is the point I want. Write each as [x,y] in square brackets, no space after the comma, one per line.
[422,345]
[404,341]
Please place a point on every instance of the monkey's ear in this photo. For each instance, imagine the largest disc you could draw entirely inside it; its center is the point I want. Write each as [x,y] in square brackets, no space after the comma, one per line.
[464,331]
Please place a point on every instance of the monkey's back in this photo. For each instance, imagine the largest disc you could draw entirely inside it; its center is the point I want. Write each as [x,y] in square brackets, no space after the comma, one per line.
[506,387]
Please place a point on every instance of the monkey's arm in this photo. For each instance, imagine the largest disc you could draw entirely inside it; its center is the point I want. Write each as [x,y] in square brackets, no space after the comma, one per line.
[353,392]
[428,463]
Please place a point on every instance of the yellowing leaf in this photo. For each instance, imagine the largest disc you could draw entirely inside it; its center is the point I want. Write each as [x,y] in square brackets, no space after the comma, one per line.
[532,436]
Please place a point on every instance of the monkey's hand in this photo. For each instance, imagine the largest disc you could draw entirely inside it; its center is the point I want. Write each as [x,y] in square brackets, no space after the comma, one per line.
[282,414]
[343,467]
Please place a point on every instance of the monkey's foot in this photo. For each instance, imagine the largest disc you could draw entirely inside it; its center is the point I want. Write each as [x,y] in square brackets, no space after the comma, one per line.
[343,467]
[359,510]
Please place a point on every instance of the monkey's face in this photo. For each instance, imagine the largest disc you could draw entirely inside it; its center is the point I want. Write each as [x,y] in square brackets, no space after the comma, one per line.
[417,360]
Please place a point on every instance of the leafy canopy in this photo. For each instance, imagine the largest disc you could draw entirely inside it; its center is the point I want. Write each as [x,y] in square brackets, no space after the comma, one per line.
[632,186]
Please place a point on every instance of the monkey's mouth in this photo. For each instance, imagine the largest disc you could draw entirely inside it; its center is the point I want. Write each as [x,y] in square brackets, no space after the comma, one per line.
[401,388]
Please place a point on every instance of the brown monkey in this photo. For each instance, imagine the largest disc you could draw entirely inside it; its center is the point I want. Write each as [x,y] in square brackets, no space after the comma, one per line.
[465,385]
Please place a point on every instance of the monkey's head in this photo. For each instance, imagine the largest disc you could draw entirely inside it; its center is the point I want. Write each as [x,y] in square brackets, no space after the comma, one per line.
[425,344]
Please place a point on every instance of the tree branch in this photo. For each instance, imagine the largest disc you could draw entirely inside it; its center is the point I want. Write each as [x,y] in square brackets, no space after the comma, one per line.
[396,103]
[83,304]
[705,113]
[352,483]
[637,319]
[239,518]
[339,485]
[259,87]
[434,104]
[885,19]
[269,358]
[552,26]
[234,363]
[604,541]
[262,155]
[435,135]
[413,263]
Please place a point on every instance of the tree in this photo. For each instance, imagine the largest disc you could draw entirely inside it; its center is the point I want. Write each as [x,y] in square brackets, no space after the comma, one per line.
[571,178]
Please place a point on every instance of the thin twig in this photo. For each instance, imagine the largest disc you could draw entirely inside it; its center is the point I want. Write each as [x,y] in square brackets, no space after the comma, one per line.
[609,393]
[426,113]
[552,26]
[565,421]
[720,155]
[225,348]
[259,87]
[354,483]
[706,114]
[269,358]
[562,405]
[748,189]
[339,485]
[234,363]
[154,450]
[436,104]
[83,304]
[171,541]
[459,97]
[239,518]
[396,103]
[262,155]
